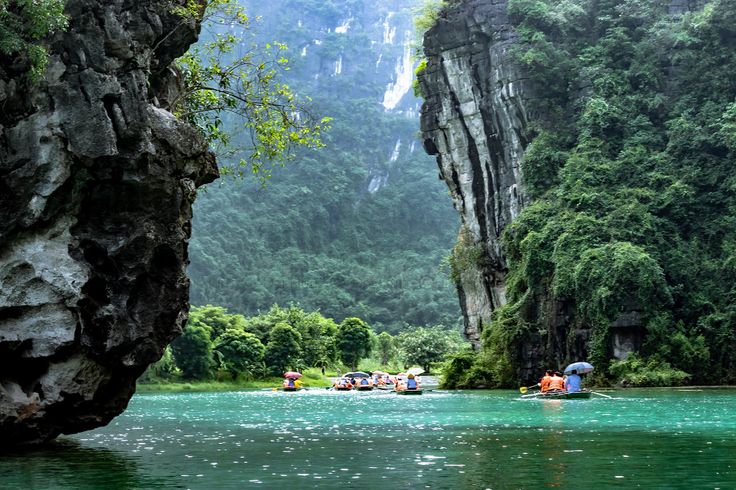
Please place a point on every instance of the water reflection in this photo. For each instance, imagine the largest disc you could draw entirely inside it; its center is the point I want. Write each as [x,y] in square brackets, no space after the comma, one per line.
[68,464]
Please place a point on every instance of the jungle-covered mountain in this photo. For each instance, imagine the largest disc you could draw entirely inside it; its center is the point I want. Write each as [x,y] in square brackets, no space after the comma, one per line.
[358,228]
[618,236]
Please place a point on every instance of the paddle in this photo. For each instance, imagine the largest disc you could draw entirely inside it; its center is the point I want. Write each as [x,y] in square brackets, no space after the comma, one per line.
[524,389]
[601,394]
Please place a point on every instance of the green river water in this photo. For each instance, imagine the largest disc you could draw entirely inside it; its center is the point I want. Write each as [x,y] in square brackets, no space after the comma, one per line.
[669,439]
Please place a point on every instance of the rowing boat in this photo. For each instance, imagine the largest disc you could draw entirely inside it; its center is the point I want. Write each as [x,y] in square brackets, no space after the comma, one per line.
[559,395]
[409,392]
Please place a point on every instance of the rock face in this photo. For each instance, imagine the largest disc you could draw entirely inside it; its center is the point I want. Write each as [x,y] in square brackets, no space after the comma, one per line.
[97,180]
[475,119]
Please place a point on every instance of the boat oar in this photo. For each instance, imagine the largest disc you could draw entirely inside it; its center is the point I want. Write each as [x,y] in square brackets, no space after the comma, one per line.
[524,389]
[601,394]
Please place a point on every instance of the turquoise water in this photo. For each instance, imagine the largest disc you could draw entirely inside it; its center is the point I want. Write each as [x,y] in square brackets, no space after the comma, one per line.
[669,439]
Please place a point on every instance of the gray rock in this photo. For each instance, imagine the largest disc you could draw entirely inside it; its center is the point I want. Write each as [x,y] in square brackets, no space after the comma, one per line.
[475,119]
[96,188]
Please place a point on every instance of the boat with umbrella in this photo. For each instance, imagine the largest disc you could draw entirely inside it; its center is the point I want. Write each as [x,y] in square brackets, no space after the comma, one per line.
[361,381]
[579,367]
[291,381]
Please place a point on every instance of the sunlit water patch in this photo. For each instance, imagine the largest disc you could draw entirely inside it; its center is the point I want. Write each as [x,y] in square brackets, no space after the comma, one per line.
[318,438]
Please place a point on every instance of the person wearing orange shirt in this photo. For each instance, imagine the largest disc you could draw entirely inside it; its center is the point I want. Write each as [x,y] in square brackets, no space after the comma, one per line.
[544,383]
[556,383]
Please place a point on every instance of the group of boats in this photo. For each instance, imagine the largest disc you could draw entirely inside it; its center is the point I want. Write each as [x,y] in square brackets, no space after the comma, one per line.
[402,384]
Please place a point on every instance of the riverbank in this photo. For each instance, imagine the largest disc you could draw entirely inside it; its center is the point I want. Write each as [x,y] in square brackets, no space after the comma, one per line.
[312,378]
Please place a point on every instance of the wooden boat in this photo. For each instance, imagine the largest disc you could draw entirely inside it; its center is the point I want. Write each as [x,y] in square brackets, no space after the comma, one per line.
[559,395]
[364,387]
[417,391]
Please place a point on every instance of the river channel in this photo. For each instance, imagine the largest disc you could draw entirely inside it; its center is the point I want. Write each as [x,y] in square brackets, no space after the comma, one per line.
[665,438]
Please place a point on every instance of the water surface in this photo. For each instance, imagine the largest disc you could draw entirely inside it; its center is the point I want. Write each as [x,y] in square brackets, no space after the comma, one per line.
[673,439]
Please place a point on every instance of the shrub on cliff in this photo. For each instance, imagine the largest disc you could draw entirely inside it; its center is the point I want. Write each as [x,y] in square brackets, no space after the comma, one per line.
[24,24]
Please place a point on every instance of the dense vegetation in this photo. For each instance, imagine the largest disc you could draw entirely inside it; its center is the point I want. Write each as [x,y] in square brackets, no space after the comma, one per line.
[219,345]
[24,25]
[631,172]
[358,228]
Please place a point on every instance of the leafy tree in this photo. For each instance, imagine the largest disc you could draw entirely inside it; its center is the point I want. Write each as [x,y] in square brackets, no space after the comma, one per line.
[226,86]
[216,318]
[24,24]
[427,345]
[193,352]
[164,369]
[386,347]
[283,349]
[353,341]
[241,352]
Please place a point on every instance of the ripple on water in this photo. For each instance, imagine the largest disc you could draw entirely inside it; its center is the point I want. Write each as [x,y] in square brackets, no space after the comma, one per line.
[439,440]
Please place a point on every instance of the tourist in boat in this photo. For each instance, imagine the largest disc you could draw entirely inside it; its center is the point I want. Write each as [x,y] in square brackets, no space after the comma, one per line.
[573,382]
[289,383]
[556,383]
[544,383]
[411,383]
[364,382]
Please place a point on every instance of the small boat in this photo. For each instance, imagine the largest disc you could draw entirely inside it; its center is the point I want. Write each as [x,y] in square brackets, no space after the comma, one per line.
[559,395]
[291,388]
[417,391]
[364,387]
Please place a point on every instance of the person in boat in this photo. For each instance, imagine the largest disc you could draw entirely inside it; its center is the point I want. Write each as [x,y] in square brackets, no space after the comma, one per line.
[544,383]
[573,382]
[289,383]
[556,383]
[364,382]
[411,383]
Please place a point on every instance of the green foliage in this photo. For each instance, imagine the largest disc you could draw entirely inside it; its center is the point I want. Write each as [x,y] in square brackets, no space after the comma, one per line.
[24,24]
[216,319]
[283,349]
[215,341]
[241,352]
[164,369]
[635,371]
[385,347]
[226,86]
[426,346]
[320,235]
[467,255]
[631,175]
[354,341]
[193,352]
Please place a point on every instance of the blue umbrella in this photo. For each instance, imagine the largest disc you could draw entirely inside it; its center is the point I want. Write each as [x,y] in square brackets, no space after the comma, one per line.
[580,367]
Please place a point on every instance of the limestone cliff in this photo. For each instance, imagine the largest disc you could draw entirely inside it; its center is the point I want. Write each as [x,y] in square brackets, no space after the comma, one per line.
[484,106]
[97,180]
[475,119]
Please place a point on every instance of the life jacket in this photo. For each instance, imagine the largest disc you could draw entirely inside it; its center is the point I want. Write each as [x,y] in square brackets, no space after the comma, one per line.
[411,384]
[364,381]
[556,383]
[544,384]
